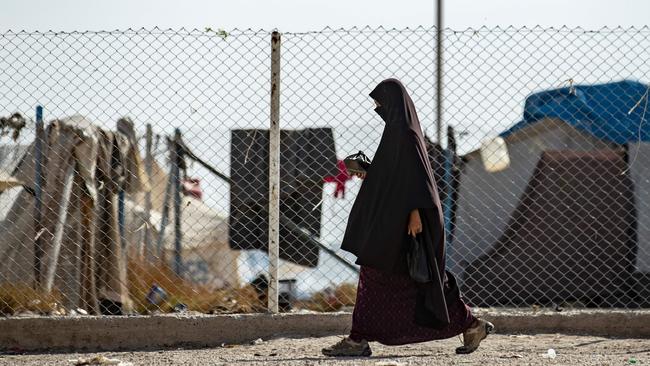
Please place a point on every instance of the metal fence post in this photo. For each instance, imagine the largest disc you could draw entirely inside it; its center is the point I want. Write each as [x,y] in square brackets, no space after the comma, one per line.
[449,183]
[176,178]
[439,71]
[274,175]
[38,195]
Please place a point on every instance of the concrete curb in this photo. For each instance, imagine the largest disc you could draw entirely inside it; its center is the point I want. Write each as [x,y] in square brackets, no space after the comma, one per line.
[611,323]
[156,332]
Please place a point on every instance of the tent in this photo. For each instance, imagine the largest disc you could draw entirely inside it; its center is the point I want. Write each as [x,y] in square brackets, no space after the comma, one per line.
[573,143]
[90,222]
[76,250]
[207,257]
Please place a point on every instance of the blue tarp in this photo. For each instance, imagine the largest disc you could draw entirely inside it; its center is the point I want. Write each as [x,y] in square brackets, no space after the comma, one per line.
[600,110]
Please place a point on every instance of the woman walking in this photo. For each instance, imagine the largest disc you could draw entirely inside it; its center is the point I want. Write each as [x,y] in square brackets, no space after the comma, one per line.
[397,204]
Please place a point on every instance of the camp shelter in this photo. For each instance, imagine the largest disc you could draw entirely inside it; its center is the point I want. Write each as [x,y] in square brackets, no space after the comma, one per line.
[76,251]
[569,218]
[207,258]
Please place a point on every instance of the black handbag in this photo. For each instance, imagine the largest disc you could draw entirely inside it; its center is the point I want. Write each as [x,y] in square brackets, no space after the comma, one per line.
[357,163]
[416,259]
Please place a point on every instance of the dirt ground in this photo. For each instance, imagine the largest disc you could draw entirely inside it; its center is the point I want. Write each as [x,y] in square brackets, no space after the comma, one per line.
[496,350]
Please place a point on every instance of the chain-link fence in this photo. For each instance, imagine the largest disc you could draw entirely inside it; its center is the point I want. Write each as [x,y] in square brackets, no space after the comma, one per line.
[146,189]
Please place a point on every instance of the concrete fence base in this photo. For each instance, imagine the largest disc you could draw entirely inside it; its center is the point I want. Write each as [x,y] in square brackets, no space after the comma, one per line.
[156,332]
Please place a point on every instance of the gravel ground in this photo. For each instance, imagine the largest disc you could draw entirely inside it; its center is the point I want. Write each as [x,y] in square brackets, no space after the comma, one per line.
[496,350]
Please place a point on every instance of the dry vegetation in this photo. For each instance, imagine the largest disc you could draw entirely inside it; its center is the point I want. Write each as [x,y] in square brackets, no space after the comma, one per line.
[142,276]
[332,300]
[17,299]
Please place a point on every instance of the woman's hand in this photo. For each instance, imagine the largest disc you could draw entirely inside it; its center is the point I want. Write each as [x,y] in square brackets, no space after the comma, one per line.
[360,175]
[415,224]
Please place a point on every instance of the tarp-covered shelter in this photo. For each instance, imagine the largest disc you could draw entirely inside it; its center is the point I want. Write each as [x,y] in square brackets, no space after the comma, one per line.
[86,262]
[569,218]
[77,250]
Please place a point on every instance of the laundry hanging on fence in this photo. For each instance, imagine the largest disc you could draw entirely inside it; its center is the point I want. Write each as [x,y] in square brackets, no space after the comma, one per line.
[192,188]
[340,179]
[306,156]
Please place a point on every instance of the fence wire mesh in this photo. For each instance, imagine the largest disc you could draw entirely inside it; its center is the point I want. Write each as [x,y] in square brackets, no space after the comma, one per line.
[152,165]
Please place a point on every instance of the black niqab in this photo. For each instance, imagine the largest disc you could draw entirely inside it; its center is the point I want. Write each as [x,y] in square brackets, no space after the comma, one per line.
[399,180]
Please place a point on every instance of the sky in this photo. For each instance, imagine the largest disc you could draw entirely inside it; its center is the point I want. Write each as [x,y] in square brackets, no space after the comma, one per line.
[301,15]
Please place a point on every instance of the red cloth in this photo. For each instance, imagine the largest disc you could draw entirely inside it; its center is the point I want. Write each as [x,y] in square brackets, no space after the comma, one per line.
[385,311]
[339,179]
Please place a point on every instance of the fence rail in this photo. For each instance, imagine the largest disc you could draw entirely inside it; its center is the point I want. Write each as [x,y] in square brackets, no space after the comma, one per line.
[148,188]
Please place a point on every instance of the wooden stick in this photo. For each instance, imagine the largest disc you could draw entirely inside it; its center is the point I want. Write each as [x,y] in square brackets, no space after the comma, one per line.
[53,257]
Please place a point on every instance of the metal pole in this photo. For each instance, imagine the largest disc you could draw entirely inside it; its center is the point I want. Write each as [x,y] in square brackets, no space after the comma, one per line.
[176,178]
[38,195]
[189,154]
[439,71]
[274,175]
[448,181]
[148,167]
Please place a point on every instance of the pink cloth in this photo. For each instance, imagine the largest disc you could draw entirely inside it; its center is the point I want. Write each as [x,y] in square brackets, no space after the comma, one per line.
[385,311]
[192,188]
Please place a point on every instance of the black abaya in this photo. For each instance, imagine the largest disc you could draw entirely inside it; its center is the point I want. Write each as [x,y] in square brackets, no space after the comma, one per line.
[399,180]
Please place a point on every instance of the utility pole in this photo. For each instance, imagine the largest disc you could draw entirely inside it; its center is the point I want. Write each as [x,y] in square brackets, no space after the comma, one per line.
[439,71]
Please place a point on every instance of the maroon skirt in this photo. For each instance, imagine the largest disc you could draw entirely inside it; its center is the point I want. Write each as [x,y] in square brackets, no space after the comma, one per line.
[385,311]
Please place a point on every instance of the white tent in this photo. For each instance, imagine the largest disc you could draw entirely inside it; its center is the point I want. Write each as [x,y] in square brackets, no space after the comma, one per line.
[206,255]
